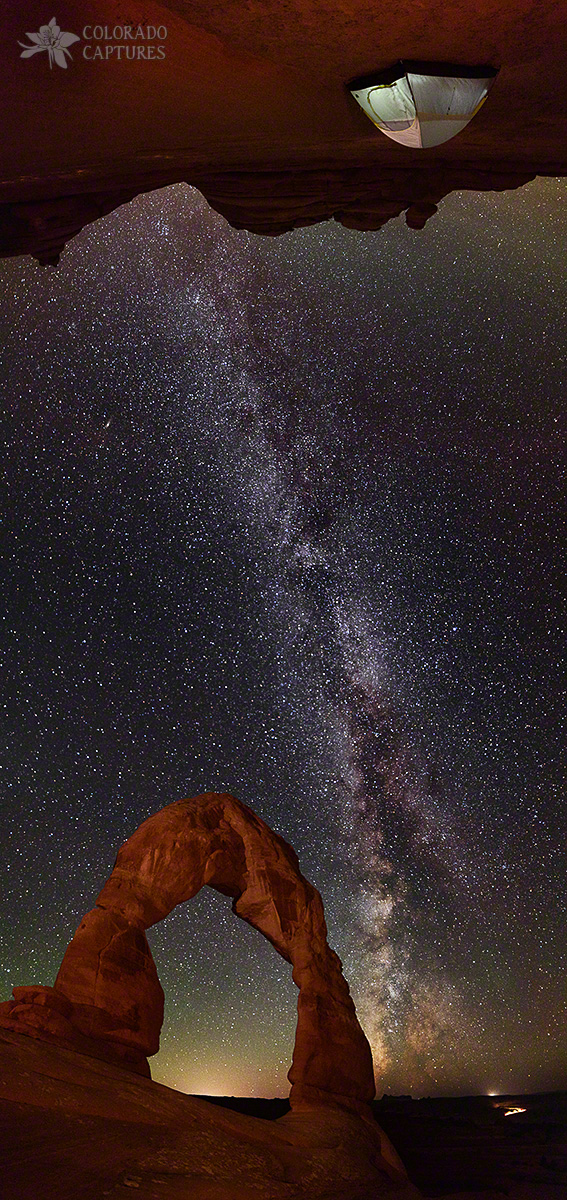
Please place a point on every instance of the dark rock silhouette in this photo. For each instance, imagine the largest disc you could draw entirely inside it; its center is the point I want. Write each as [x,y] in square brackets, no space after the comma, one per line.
[266,203]
[107,1000]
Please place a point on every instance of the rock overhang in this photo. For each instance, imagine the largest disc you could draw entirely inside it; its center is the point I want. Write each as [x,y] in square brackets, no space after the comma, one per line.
[287,146]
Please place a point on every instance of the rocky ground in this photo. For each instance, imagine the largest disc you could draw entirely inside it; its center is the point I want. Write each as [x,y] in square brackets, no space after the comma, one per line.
[71,1126]
[471,1148]
[74,1127]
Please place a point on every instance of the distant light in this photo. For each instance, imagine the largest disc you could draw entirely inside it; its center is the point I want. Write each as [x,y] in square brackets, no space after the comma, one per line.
[422,104]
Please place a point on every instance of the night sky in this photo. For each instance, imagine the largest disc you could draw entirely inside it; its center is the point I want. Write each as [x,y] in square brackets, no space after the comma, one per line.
[285,517]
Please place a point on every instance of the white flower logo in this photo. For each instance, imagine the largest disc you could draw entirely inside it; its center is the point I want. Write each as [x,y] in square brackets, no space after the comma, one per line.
[51,39]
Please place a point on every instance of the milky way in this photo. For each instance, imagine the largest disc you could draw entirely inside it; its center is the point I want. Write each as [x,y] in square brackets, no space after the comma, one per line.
[284,518]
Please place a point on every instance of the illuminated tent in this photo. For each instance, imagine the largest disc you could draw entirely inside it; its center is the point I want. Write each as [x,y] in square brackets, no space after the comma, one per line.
[423,104]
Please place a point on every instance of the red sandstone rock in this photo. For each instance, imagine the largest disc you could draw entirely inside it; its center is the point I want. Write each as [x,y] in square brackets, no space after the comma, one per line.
[107,1000]
[269,204]
[74,1127]
[287,145]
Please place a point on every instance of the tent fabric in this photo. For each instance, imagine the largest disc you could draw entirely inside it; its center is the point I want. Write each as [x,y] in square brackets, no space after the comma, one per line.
[420,108]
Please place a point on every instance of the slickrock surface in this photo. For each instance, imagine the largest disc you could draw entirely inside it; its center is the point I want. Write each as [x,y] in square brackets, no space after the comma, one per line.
[72,1126]
[250,105]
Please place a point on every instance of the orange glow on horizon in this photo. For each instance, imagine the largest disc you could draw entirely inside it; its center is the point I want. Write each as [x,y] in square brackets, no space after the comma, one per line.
[222,1079]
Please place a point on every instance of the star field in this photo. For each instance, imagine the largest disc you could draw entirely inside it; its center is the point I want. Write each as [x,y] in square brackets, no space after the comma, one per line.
[285,517]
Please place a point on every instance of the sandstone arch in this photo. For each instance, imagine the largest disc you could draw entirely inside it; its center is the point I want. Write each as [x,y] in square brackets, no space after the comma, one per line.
[107,999]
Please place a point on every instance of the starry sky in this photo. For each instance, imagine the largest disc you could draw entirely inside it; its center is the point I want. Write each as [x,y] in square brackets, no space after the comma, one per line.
[284,517]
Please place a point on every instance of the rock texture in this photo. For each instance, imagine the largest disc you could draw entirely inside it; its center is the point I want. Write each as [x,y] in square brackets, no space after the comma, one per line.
[250,105]
[75,1127]
[107,1000]
[263,202]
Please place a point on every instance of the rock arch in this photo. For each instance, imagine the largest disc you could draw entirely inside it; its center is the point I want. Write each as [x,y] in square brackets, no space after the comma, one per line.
[107,1000]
